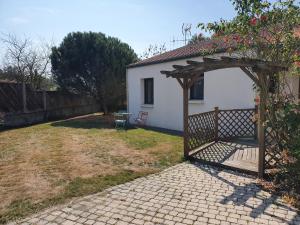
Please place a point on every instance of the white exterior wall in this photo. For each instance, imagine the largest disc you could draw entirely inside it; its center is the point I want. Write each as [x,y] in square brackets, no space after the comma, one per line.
[226,88]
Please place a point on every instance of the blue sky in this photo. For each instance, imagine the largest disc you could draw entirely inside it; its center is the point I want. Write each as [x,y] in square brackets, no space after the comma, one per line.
[137,22]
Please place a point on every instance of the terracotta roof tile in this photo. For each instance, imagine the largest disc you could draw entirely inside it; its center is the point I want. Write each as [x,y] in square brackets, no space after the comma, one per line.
[193,50]
[188,51]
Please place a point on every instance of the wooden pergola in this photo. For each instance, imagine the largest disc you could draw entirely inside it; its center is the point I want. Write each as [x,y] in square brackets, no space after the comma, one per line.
[260,72]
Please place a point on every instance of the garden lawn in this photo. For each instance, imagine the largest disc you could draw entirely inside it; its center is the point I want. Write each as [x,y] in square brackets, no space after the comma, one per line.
[50,163]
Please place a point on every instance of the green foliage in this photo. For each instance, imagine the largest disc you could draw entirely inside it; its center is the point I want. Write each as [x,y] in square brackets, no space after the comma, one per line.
[93,64]
[139,138]
[290,118]
[196,38]
[286,121]
[262,30]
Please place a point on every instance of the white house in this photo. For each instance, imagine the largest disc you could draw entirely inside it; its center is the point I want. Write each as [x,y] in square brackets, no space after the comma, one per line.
[148,90]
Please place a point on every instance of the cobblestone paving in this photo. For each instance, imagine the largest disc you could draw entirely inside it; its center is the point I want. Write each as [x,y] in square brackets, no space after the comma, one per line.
[183,194]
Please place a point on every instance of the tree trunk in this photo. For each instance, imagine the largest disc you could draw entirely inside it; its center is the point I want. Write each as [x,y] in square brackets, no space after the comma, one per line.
[24,97]
[102,99]
[104,107]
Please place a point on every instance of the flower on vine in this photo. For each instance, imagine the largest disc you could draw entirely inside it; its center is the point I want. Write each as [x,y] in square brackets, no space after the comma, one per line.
[247,42]
[225,39]
[297,32]
[219,33]
[297,64]
[263,18]
[253,21]
[237,38]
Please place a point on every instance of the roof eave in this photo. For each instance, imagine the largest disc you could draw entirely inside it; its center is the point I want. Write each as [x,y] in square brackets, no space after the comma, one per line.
[174,59]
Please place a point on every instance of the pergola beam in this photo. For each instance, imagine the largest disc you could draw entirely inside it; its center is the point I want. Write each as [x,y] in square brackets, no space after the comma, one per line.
[192,62]
[180,82]
[251,76]
[210,64]
[178,67]
[206,59]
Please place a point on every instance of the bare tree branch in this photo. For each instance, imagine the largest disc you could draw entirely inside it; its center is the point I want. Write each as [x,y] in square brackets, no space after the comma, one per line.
[31,61]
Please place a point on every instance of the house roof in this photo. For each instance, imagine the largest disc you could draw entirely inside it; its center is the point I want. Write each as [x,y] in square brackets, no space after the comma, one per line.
[192,50]
[202,48]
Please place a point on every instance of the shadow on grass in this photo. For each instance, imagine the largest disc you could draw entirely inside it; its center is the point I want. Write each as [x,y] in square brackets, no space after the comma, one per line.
[163,130]
[3,128]
[92,121]
[100,121]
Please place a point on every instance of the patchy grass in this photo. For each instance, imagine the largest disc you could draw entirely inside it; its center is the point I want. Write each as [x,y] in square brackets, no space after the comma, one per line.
[76,188]
[50,163]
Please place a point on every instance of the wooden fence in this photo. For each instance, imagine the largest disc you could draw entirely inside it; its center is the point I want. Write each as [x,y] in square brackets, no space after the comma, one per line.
[21,105]
[201,129]
[216,125]
[223,125]
[235,123]
[273,155]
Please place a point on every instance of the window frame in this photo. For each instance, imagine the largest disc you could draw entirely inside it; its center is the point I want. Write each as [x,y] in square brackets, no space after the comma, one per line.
[192,96]
[148,100]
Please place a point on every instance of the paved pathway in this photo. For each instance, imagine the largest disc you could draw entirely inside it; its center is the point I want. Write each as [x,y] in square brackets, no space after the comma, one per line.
[183,194]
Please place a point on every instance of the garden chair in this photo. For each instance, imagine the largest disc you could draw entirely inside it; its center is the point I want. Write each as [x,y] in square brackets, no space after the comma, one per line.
[120,121]
[142,118]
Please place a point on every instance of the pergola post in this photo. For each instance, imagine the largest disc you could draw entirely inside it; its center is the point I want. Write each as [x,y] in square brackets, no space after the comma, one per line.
[261,127]
[185,117]
[216,121]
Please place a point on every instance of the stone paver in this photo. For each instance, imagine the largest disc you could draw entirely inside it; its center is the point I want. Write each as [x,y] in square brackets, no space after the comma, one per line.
[183,194]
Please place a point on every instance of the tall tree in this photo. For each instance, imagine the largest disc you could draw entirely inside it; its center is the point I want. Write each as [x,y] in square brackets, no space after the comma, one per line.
[94,64]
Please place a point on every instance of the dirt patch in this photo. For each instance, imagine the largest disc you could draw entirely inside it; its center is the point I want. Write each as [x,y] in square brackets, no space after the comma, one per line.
[21,177]
[81,157]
